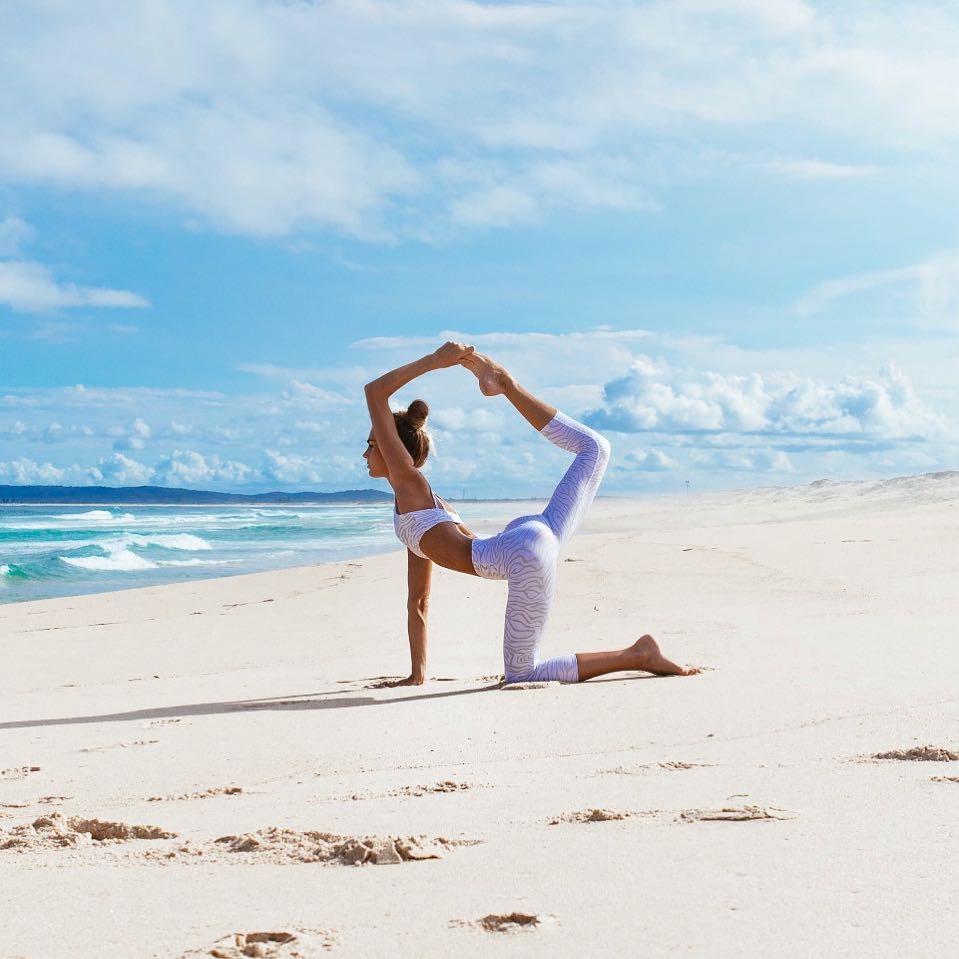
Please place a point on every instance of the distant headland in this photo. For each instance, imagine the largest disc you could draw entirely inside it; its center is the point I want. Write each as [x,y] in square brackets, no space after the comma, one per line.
[163,495]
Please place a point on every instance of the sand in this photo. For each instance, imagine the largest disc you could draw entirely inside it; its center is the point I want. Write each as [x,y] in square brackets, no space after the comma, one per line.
[220,768]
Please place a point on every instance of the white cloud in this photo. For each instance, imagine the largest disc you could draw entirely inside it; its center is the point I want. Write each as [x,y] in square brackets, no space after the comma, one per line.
[120,470]
[931,286]
[29,287]
[134,436]
[376,118]
[284,468]
[755,460]
[645,461]
[28,472]
[817,169]
[309,396]
[476,420]
[14,233]
[703,407]
[190,468]
[653,397]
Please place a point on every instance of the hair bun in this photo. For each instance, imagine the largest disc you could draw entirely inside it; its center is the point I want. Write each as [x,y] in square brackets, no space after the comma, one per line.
[417,413]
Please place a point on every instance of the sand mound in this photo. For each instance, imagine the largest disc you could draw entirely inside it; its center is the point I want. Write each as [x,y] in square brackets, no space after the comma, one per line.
[56,832]
[934,754]
[506,923]
[591,815]
[546,685]
[733,814]
[288,845]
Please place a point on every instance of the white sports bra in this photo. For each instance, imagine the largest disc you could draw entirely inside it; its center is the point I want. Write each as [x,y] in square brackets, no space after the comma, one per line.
[411,526]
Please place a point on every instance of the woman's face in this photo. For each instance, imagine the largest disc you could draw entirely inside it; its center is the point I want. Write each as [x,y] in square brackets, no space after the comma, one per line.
[374,459]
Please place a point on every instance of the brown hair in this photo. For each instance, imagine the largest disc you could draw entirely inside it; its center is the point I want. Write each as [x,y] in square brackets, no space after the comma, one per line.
[409,424]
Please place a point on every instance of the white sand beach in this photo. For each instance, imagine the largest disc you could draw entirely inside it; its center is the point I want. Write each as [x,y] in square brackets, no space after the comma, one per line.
[736,813]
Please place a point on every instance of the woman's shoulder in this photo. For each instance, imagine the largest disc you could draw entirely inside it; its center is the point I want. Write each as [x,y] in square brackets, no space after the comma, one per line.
[413,493]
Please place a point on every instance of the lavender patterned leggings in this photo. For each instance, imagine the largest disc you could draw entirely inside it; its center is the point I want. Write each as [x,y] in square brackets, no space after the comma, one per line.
[527,551]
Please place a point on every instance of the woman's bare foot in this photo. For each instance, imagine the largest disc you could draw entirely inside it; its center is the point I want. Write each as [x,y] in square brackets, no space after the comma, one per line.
[645,654]
[493,379]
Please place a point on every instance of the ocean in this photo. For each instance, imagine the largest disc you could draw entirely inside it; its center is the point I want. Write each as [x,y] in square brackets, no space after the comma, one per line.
[48,551]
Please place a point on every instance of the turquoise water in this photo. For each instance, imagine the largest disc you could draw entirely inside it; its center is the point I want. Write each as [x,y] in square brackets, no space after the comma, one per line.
[65,551]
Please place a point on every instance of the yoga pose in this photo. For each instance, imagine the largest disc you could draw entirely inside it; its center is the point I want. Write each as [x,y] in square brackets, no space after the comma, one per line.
[525,553]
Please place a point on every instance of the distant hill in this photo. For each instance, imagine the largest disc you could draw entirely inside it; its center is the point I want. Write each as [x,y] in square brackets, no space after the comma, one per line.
[160,495]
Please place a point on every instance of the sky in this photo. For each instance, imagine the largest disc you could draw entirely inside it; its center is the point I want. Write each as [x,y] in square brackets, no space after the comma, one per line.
[722,232]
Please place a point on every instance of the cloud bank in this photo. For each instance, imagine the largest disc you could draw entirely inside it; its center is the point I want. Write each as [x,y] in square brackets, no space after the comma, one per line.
[377,119]
[669,406]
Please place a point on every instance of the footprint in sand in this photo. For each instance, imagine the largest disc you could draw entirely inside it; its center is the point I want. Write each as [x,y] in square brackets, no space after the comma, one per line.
[204,794]
[945,779]
[595,815]
[18,772]
[508,922]
[447,786]
[43,800]
[304,943]
[137,742]
[935,754]
[646,767]
[733,814]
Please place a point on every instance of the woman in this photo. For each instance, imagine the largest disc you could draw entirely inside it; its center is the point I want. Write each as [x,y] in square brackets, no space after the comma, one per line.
[525,553]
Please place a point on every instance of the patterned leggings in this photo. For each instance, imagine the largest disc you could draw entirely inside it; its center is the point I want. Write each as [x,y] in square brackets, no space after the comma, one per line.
[527,551]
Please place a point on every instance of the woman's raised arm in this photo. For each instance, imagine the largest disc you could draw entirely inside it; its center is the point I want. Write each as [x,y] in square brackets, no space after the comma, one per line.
[378,392]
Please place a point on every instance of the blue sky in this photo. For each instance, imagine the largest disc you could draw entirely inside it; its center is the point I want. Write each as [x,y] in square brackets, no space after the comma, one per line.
[721,231]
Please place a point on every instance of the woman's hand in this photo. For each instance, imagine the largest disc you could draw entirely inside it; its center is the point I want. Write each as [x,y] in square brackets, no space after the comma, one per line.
[450,354]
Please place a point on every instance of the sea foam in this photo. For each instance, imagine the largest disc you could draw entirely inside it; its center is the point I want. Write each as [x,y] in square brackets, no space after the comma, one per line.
[97,516]
[121,559]
[197,562]
[171,541]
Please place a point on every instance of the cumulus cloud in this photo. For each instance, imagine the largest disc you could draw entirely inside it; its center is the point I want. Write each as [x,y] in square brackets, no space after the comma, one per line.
[694,406]
[292,468]
[190,468]
[134,436]
[653,397]
[120,470]
[28,472]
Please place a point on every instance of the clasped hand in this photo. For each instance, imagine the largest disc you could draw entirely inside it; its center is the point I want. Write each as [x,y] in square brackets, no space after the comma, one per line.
[450,354]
